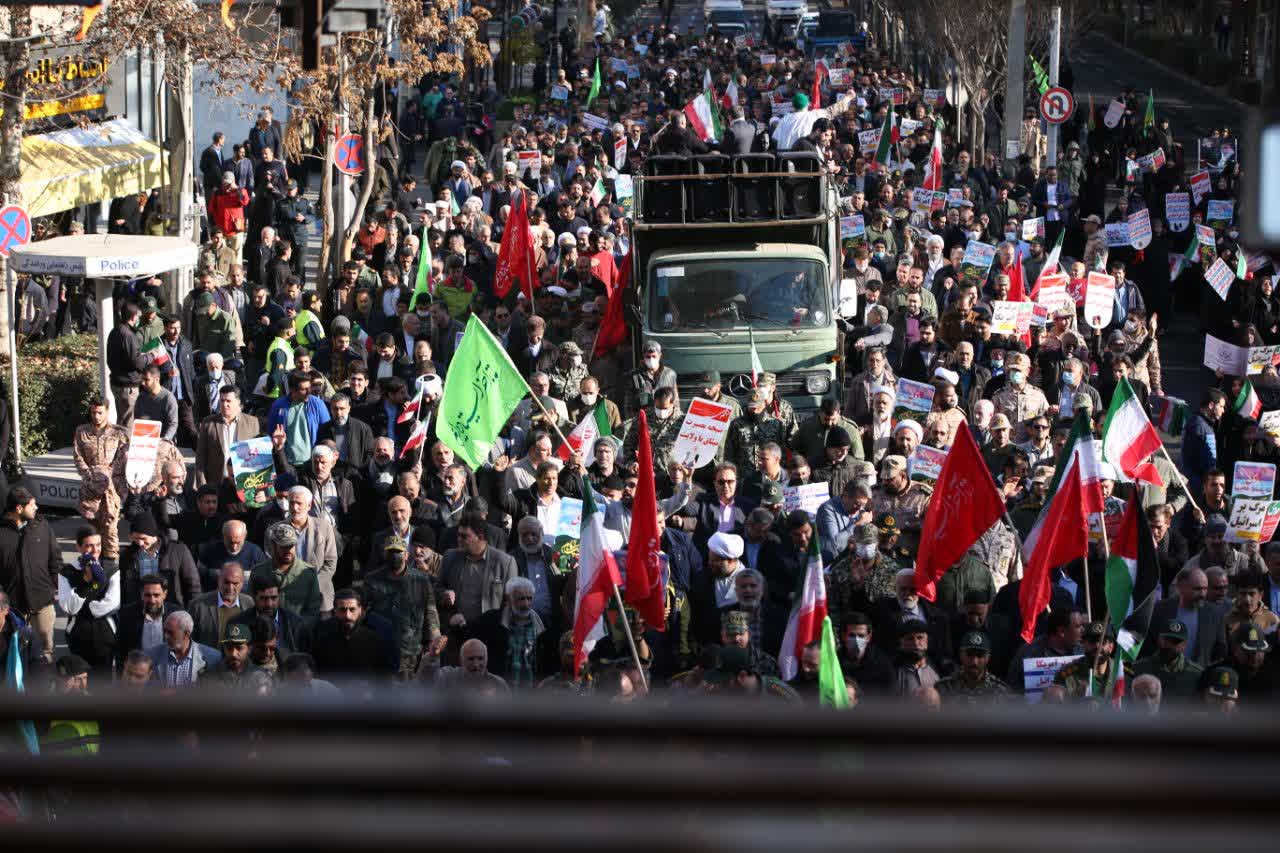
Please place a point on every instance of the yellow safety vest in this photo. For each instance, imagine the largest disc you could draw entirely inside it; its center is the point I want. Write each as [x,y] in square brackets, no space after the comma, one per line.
[279,343]
[300,324]
[72,737]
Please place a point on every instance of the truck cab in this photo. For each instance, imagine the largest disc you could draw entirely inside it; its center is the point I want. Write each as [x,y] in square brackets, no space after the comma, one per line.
[732,255]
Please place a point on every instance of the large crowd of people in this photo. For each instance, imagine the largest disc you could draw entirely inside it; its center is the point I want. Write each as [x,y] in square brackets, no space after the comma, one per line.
[368,564]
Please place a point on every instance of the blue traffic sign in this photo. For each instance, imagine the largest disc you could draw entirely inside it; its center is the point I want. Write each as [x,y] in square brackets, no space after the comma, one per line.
[348,154]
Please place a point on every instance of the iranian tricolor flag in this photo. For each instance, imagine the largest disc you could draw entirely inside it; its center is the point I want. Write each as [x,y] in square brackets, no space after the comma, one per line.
[361,338]
[417,438]
[1050,265]
[1128,437]
[1061,533]
[888,138]
[1132,578]
[933,169]
[807,614]
[597,578]
[704,116]
[597,193]
[411,408]
[582,440]
[154,349]
[1247,404]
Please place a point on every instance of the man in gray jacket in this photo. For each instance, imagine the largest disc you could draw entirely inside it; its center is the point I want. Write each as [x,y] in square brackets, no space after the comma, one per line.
[212,611]
[473,576]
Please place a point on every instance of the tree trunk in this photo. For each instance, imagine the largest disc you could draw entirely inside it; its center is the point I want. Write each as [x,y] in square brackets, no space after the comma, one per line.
[329,221]
[368,179]
[17,59]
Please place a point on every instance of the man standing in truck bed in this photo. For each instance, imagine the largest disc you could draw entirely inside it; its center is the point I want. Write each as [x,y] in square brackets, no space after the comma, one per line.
[748,433]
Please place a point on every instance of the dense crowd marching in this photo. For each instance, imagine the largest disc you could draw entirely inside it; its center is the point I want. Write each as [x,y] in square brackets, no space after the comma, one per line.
[370,564]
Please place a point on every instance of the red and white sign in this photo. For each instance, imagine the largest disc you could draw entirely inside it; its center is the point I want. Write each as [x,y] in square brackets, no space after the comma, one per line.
[1057,105]
[144,447]
[703,429]
[1099,299]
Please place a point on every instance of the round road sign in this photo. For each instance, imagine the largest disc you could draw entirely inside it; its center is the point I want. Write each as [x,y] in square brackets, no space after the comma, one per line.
[348,154]
[1057,105]
[15,228]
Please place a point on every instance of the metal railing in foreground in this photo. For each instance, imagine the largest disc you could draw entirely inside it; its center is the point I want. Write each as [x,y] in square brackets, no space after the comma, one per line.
[554,772]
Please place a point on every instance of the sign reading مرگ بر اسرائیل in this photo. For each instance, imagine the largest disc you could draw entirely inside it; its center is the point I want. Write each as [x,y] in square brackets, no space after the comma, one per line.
[61,82]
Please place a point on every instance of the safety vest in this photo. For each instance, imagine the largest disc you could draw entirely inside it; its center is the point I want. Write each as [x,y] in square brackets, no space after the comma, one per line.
[72,737]
[300,324]
[279,343]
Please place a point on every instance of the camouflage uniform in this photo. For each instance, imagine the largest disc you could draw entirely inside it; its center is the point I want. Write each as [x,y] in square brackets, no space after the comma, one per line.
[409,601]
[840,586]
[954,689]
[907,510]
[1075,679]
[640,386]
[565,382]
[100,461]
[745,437]
[770,688]
[662,436]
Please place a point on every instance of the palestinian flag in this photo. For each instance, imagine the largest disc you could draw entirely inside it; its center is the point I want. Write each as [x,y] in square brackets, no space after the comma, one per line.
[1247,404]
[831,690]
[1169,413]
[704,116]
[155,350]
[1050,265]
[1128,437]
[597,577]
[1061,533]
[582,440]
[807,614]
[888,138]
[361,338]
[1133,576]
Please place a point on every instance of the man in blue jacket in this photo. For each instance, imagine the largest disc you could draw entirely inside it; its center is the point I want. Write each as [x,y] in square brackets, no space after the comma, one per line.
[1199,443]
[295,419]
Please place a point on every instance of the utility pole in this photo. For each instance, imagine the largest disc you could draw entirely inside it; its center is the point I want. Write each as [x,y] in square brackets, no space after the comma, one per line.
[1055,48]
[1015,85]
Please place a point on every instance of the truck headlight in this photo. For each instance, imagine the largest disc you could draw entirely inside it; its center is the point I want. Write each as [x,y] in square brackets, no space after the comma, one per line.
[818,383]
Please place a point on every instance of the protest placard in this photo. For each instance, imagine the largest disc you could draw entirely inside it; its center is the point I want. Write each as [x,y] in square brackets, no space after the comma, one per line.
[1247,518]
[1220,278]
[975,265]
[254,471]
[807,497]
[869,140]
[1117,234]
[768,60]
[1004,317]
[955,195]
[705,424]
[1152,162]
[935,97]
[144,446]
[853,232]
[1012,149]
[1230,359]
[921,200]
[1038,673]
[623,187]
[1208,245]
[563,538]
[1263,357]
[1139,228]
[530,163]
[1254,480]
[925,464]
[907,127]
[1254,261]
[1219,213]
[1270,522]
[1177,209]
[619,152]
[591,121]
[1099,299]
[1033,228]
[1269,423]
[1110,521]
[559,93]
[838,78]
[914,400]
[782,108]
[1115,110]
[1201,186]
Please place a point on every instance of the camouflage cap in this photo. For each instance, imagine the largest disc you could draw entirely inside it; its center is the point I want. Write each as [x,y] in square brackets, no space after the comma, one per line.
[734,660]
[734,622]
[1096,632]
[768,378]
[756,400]
[395,543]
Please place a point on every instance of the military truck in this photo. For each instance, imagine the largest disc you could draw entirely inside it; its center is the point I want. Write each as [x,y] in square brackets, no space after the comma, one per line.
[735,254]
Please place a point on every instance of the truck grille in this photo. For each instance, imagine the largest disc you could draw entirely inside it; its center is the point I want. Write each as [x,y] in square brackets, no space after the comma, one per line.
[789,384]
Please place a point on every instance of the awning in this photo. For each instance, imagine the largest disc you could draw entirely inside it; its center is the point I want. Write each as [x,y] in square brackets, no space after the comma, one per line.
[104,255]
[70,168]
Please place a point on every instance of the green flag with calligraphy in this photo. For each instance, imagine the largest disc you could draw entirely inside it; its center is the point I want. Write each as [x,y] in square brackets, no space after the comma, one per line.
[481,391]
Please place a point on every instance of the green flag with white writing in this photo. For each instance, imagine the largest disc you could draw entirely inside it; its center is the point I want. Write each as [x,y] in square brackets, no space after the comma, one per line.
[481,391]
[422,281]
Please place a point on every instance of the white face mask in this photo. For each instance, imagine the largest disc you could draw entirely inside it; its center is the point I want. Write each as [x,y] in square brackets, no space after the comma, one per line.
[663,414]
[575,361]
[283,503]
[1131,326]
[864,552]
[651,362]
[589,399]
[1010,236]
[856,645]
[1016,377]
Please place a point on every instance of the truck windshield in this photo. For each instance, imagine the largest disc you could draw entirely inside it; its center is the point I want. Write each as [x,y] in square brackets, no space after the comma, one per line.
[732,292]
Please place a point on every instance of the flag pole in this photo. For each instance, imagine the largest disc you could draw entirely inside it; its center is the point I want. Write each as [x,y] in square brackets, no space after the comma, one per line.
[543,408]
[631,641]
[1181,479]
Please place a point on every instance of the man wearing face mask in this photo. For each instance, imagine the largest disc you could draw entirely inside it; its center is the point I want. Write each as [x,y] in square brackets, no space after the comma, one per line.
[912,668]
[567,374]
[1179,677]
[862,575]
[1019,400]
[664,419]
[860,658]
[860,268]
[405,596]
[1072,387]
[651,375]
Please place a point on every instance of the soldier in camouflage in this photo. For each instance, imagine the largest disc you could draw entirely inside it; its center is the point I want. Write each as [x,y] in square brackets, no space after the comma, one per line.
[902,498]
[747,434]
[973,684]
[664,418]
[567,373]
[860,576]
[779,407]
[735,630]
[1089,679]
[738,676]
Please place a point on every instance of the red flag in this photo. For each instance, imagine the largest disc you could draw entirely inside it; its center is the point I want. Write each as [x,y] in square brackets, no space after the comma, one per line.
[1017,289]
[1064,536]
[965,504]
[933,171]
[613,325]
[416,438]
[644,572]
[815,98]
[515,252]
